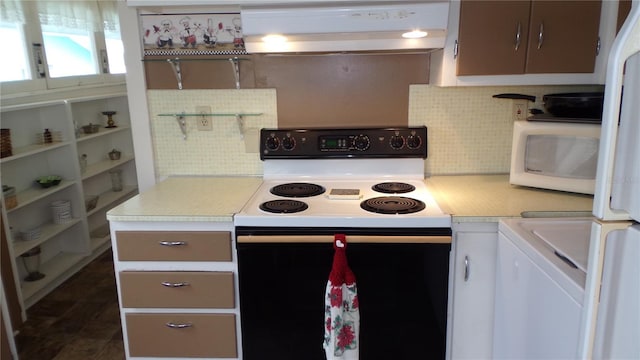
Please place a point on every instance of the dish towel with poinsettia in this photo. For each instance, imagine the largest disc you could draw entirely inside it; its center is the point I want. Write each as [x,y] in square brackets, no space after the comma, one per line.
[341,310]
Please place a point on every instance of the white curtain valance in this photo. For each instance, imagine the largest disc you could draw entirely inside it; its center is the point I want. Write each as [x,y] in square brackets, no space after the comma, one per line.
[109,13]
[81,15]
[11,11]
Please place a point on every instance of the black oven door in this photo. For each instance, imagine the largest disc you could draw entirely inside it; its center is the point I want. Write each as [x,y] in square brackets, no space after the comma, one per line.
[402,290]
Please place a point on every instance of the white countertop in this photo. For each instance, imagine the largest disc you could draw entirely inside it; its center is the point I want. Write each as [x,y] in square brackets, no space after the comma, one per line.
[488,198]
[468,198]
[188,199]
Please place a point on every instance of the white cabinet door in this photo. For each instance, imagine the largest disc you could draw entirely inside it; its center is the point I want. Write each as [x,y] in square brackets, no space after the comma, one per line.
[471,327]
[534,317]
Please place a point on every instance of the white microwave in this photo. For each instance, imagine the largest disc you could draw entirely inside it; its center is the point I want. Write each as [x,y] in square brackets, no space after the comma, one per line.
[555,155]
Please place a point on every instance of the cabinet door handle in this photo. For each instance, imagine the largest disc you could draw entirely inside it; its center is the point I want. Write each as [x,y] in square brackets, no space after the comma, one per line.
[466,268]
[179,325]
[540,36]
[455,50]
[518,35]
[172,243]
[598,46]
[175,285]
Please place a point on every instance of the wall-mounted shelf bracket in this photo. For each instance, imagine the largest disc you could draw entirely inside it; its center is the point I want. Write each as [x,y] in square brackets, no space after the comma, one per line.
[240,121]
[182,122]
[182,119]
[177,71]
[236,70]
[175,65]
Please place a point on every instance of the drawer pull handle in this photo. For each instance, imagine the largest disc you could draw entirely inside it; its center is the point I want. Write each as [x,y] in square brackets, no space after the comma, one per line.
[518,36]
[466,268]
[173,243]
[175,285]
[179,326]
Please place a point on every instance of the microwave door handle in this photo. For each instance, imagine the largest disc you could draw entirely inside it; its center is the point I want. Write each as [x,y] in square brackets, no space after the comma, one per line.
[626,44]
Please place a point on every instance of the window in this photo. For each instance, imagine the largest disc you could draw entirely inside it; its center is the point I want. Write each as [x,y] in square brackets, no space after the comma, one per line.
[16,66]
[115,52]
[69,52]
[66,43]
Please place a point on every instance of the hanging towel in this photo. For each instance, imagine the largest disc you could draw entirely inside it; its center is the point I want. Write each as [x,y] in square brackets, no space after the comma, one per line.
[342,313]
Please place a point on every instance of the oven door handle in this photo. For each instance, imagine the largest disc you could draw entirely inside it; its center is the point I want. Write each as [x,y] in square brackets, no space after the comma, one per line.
[389,239]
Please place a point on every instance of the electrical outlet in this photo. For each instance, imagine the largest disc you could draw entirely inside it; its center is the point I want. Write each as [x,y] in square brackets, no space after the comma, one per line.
[204,121]
[520,110]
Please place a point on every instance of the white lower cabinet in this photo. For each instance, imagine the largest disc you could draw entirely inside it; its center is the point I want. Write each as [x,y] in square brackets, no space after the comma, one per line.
[471,296]
[177,289]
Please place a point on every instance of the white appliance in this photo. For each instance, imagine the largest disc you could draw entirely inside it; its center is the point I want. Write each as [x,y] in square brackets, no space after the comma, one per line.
[368,185]
[555,155]
[540,282]
[609,323]
[344,27]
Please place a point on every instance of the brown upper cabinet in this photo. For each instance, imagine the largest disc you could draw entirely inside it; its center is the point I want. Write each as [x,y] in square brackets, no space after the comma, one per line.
[527,37]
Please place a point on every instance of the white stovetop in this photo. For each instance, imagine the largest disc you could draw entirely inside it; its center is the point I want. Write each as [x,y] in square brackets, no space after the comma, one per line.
[326,211]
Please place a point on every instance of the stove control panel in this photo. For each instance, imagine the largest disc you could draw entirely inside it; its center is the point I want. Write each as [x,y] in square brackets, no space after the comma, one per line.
[343,143]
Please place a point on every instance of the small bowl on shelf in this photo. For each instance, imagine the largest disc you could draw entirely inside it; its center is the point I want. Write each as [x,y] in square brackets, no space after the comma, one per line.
[90,202]
[90,129]
[48,181]
[114,154]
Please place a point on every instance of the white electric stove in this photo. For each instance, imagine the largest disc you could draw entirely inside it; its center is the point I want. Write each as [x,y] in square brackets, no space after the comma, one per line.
[320,184]
[343,178]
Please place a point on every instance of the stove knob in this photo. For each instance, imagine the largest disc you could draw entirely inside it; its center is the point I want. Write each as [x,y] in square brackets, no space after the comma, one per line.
[397,142]
[414,141]
[361,142]
[288,143]
[272,143]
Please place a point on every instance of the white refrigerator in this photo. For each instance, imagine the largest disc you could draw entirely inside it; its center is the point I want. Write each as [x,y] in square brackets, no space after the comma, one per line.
[592,310]
[611,323]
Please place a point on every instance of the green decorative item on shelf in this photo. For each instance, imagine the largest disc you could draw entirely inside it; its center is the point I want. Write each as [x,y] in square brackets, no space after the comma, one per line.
[48,181]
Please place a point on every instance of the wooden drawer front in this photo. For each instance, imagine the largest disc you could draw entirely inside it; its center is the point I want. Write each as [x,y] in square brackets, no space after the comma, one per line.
[181,289]
[207,335]
[173,246]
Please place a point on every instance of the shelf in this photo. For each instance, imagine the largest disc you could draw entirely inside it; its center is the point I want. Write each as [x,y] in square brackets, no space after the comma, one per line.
[97,97]
[213,114]
[102,132]
[29,150]
[69,246]
[194,59]
[52,269]
[109,197]
[33,194]
[47,231]
[106,165]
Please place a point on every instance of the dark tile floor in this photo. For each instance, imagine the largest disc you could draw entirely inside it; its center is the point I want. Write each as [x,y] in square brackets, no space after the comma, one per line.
[78,320]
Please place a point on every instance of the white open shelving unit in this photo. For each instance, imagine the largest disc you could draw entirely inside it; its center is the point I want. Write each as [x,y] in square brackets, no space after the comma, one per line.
[65,248]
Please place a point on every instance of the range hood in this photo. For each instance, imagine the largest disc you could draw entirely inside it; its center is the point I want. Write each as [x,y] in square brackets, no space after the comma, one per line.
[341,28]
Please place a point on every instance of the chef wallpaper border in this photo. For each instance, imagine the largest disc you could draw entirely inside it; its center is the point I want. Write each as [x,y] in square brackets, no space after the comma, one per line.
[192,34]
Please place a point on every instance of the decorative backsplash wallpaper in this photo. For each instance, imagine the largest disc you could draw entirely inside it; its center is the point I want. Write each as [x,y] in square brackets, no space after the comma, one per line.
[469,131]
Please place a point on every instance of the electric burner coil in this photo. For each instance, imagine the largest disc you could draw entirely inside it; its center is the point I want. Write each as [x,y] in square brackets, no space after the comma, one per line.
[393,187]
[392,205]
[283,206]
[297,190]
